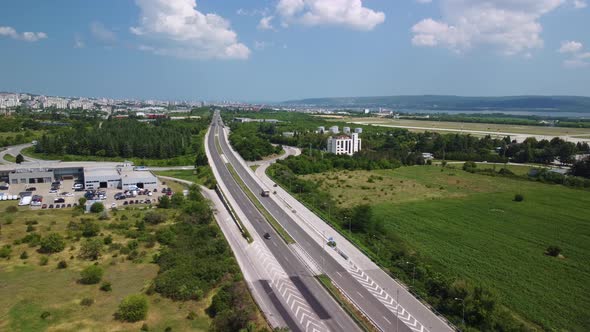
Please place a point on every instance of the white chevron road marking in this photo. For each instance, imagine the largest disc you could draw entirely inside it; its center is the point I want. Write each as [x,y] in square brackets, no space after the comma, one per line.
[380,294]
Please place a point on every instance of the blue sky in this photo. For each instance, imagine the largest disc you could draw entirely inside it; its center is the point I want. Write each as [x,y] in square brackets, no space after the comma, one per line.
[287,49]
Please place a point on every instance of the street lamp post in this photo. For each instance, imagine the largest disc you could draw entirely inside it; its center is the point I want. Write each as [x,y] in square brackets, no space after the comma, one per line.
[463,303]
[413,272]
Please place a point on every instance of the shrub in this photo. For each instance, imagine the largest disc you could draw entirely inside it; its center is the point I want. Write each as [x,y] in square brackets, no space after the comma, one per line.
[553,251]
[89,228]
[44,260]
[165,236]
[145,327]
[97,207]
[30,228]
[191,315]
[45,315]
[108,240]
[87,302]
[82,201]
[11,209]
[24,255]
[154,218]
[164,202]
[5,251]
[132,245]
[106,287]
[518,198]
[52,243]
[91,249]
[91,275]
[62,265]
[133,308]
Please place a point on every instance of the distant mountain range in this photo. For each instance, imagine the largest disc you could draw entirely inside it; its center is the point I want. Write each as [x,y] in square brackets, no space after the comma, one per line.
[454,103]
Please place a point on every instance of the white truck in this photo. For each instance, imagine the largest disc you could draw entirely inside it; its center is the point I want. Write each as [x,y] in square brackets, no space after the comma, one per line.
[25,201]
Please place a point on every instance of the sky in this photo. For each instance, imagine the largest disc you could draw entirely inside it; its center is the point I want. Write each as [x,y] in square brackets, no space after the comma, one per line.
[276,50]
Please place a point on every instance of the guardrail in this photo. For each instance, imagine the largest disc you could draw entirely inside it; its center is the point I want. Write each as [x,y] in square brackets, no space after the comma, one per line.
[233,214]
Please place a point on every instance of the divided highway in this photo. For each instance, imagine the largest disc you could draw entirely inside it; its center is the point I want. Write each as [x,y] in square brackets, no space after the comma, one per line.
[364,292]
[309,304]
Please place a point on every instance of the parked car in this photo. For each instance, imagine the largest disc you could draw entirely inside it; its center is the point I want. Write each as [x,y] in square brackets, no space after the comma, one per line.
[67,194]
[59,200]
[4,187]
[78,186]
[44,206]
[53,191]
[51,206]
[31,189]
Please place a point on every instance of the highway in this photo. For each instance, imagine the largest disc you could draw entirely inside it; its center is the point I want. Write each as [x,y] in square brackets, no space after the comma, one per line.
[375,302]
[327,315]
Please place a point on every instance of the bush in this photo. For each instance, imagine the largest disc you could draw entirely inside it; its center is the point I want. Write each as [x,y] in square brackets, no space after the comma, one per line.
[62,265]
[133,308]
[11,209]
[108,240]
[97,207]
[5,251]
[106,287]
[469,166]
[45,315]
[87,302]
[164,202]
[154,218]
[91,275]
[52,243]
[82,201]
[44,260]
[91,249]
[30,228]
[553,251]
[145,327]
[89,228]
[518,198]
[24,255]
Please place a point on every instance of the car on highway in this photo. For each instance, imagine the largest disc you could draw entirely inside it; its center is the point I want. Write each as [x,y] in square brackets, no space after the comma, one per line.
[267,236]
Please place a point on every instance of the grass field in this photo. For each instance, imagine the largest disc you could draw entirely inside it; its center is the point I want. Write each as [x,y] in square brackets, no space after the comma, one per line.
[467,225]
[434,125]
[9,157]
[27,289]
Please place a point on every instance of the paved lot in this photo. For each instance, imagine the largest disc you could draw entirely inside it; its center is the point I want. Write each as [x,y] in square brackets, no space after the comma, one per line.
[72,197]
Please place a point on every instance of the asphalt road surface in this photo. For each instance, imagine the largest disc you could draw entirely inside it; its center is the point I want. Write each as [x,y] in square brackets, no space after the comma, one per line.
[323,305]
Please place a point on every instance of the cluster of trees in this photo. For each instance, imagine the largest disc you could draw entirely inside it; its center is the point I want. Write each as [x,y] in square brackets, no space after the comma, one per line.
[125,138]
[249,143]
[544,151]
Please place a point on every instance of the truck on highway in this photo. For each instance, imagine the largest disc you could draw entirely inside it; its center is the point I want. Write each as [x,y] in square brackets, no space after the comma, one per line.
[265,193]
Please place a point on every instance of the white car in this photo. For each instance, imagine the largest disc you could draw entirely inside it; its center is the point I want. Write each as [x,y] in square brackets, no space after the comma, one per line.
[78,186]
[114,205]
[66,194]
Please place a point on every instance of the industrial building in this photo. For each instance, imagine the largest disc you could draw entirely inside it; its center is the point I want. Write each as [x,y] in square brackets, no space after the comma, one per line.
[344,144]
[93,177]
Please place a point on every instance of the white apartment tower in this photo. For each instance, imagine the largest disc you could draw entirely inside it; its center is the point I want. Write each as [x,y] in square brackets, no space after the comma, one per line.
[344,144]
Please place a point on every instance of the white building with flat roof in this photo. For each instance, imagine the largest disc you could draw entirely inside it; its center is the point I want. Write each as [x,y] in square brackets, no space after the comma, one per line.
[344,144]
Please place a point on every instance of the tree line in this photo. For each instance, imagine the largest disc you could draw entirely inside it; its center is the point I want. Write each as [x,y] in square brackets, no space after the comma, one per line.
[125,138]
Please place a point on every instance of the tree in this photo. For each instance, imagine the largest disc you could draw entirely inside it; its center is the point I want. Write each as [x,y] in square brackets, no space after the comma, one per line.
[52,243]
[20,159]
[553,251]
[518,198]
[97,207]
[91,249]
[582,168]
[82,201]
[164,202]
[91,275]
[133,308]
[154,218]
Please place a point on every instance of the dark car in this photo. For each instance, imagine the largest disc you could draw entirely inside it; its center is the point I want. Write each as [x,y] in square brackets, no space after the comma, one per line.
[31,189]
[44,206]
[3,187]
[51,206]
[125,203]
[267,236]
[69,205]
[59,200]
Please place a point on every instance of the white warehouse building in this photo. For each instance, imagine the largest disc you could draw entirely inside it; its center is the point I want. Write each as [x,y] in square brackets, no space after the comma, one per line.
[344,144]
[123,178]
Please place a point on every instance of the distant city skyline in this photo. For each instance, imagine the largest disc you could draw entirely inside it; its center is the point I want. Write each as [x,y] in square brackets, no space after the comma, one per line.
[273,51]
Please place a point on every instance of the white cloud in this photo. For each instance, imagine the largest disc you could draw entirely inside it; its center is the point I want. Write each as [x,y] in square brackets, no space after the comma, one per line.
[266,23]
[580,4]
[512,26]
[578,59]
[179,29]
[423,1]
[348,13]
[102,33]
[570,47]
[26,36]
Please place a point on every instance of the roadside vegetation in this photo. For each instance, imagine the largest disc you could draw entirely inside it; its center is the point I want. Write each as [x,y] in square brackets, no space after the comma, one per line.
[201,176]
[159,269]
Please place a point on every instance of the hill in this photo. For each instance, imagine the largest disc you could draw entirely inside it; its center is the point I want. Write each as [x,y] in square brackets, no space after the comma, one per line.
[456,103]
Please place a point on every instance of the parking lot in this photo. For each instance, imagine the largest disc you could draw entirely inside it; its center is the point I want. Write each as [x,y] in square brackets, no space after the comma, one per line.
[67,197]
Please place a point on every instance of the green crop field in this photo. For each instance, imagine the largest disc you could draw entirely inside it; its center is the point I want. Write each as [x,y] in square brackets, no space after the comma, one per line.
[27,289]
[467,225]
